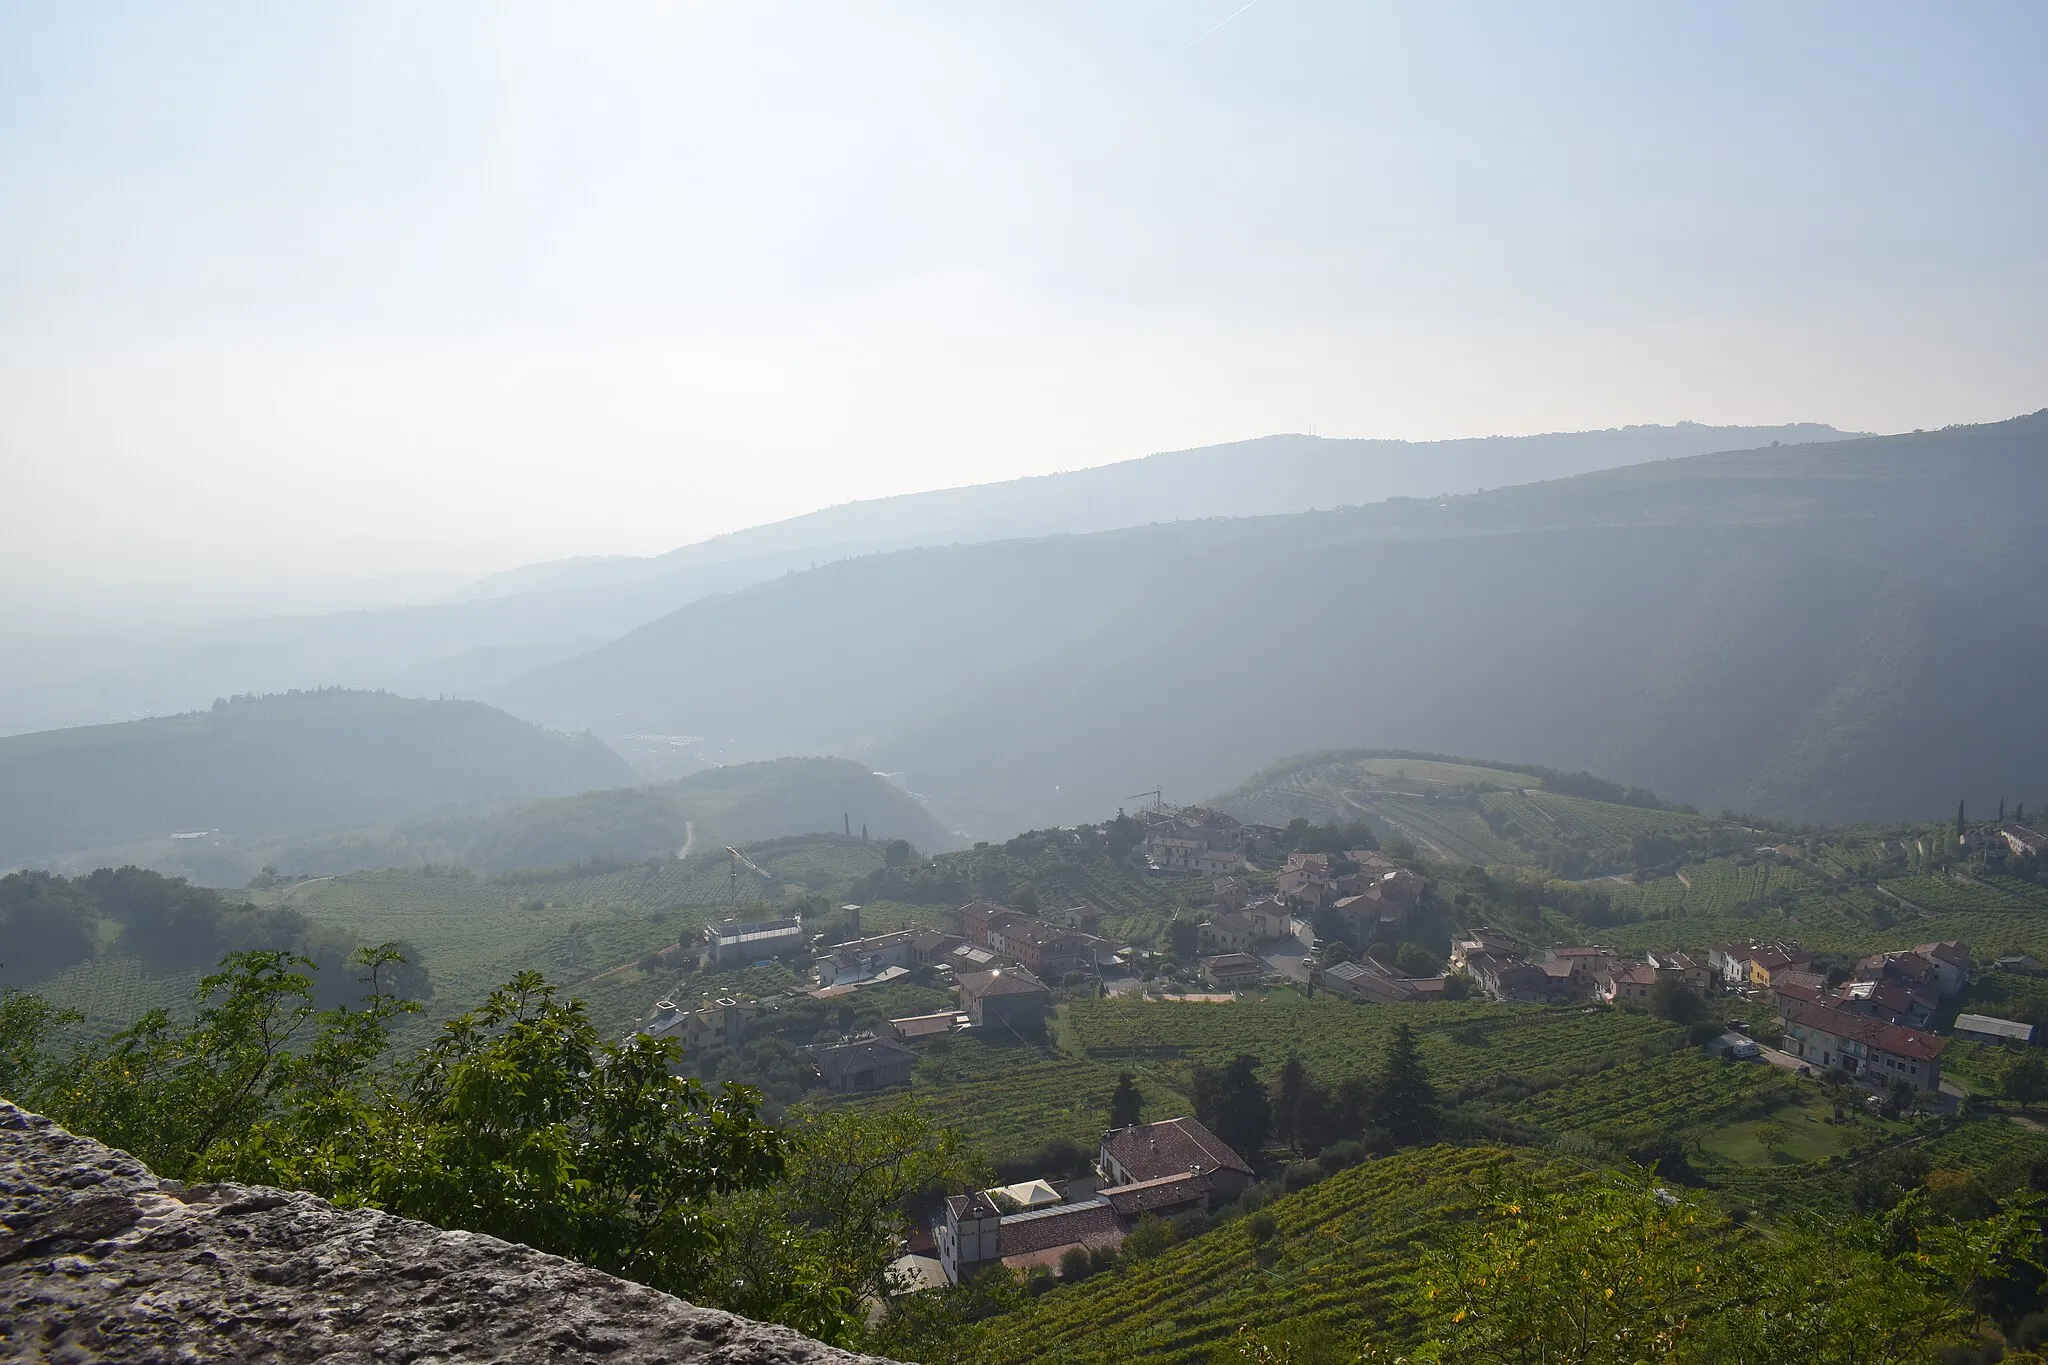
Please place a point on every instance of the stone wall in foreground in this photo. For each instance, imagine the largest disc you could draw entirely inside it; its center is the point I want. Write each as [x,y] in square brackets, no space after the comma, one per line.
[100,1261]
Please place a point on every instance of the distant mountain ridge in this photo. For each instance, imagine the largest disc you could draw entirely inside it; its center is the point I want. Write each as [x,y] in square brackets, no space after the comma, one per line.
[1826,631]
[280,764]
[1264,476]
[511,623]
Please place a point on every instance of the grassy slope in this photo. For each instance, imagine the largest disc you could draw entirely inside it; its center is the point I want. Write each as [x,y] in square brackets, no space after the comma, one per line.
[1443,808]
[738,804]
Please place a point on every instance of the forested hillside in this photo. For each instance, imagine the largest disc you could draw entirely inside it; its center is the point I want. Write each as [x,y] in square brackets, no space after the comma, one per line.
[511,623]
[276,765]
[1827,631]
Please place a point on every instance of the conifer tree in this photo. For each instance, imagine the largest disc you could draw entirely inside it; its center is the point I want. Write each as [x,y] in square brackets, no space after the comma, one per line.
[1233,1105]
[1127,1105]
[1289,1093]
[1405,1098]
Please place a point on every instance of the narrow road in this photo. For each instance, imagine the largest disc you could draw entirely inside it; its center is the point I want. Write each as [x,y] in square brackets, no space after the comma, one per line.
[689,839]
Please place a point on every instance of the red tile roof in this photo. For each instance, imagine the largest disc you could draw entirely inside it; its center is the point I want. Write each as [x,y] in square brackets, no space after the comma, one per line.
[1896,1039]
[1151,1151]
[1167,1192]
[1060,1226]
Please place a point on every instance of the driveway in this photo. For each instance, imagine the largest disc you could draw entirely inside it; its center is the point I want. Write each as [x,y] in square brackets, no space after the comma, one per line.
[1288,956]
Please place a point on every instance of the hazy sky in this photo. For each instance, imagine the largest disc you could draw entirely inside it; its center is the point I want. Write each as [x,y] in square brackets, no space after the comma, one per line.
[362,281]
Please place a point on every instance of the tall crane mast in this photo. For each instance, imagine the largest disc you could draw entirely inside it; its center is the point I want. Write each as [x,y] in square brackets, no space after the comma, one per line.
[740,860]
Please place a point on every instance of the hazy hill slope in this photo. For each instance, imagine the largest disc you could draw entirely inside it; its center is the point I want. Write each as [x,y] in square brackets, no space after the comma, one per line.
[743,803]
[276,764]
[511,623]
[1832,631]
[1264,476]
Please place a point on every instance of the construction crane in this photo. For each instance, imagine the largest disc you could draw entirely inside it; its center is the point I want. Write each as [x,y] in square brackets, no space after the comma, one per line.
[740,860]
[1158,803]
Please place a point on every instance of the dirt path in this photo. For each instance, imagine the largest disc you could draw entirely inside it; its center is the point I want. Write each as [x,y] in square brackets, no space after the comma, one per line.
[689,839]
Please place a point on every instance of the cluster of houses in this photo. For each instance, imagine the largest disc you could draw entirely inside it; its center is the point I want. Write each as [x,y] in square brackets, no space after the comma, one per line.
[1497,968]
[1873,1027]
[1192,839]
[1176,1166]
[1372,901]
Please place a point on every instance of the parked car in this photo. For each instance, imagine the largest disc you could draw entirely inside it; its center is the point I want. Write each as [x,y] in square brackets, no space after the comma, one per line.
[1736,1048]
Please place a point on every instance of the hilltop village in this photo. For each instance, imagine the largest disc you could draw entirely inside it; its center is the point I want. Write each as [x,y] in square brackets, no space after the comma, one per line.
[1342,924]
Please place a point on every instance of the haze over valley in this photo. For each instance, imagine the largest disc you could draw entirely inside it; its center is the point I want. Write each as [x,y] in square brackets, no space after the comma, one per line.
[1277,683]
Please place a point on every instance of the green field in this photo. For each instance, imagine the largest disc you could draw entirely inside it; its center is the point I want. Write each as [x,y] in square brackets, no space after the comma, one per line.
[1467,1042]
[1680,1093]
[1009,1098]
[1469,813]
[1345,1253]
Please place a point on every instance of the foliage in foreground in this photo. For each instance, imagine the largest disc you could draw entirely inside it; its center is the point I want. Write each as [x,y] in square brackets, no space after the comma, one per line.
[517,1121]
[1619,1271]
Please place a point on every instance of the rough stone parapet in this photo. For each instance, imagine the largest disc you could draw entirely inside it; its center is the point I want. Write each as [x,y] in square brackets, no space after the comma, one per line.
[101,1261]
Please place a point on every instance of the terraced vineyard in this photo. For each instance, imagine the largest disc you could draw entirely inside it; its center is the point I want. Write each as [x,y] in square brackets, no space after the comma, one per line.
[1347,1253]
[1441,829]
[1677,1093]
[1601,824]
[114,992]
[1459,1042]
[1994,916]
[1008,1099]
[473,934]
[1800,1189]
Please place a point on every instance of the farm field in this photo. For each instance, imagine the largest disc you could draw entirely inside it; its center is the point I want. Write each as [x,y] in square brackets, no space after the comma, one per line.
[1680,1093]
[582,929]
[1346,1253]
[1440,829]
[1010,1098]
[113,992]
[1793,1133]
[1804,1189]
[1460,1042]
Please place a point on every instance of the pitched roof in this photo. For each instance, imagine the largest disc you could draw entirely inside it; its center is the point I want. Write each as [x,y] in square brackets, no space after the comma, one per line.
[1062,1225]
[1896,1039]
[1001,981]
[1948,950]
[1168,1191]
[1182,1146]
[864,1055]
[925,1025]
[1996,1027]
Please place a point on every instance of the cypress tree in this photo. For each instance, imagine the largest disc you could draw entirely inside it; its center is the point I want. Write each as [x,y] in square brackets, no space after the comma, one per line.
[1233,1105]
[1288,1093]
[1407,1101]
[1959,822]
[1127,1103]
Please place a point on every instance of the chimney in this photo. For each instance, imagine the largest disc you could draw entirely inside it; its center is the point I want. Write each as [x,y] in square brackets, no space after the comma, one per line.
[852,919]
